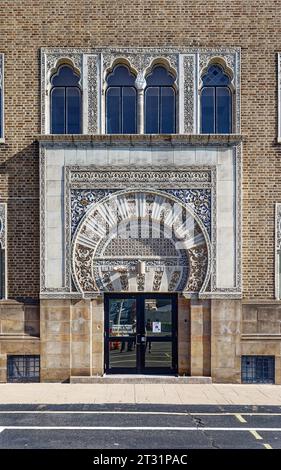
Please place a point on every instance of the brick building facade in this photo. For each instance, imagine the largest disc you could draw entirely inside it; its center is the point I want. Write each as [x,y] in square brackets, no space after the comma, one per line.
[225,308]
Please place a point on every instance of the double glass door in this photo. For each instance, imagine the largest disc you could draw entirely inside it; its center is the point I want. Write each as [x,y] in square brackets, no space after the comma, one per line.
[140,334]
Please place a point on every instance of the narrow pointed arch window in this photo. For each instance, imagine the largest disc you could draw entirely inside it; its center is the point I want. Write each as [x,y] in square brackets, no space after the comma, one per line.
[160,102]
[121,102]
[216,102]
[65,102]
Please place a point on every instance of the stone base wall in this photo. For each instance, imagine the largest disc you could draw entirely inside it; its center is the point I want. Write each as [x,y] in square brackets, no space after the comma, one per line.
[72,335]
[261,332]
[19,332]
[212,337]
[226,328]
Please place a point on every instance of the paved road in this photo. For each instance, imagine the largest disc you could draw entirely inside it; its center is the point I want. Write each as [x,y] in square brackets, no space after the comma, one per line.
[139,427]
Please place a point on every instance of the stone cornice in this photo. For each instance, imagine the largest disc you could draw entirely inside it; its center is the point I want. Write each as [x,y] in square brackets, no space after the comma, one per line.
[143,139]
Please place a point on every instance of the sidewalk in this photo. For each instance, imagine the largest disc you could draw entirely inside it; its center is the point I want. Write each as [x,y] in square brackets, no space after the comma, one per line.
[177,394]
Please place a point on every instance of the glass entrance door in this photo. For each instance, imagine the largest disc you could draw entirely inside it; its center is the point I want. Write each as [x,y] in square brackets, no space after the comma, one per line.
[141,333]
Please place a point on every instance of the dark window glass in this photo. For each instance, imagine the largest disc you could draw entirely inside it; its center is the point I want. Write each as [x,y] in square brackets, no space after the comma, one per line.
[65,76]
[65,102]
[58,110]
[73,110]
[129,102]
[121,102]
[258,369]
[152,107]
[160,102]
[159,77]
[113,110]
[208,110]
[223,111]
[216,102]
[121,76]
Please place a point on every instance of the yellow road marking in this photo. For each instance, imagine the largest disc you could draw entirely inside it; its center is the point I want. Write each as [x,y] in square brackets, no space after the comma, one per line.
[255,434]
[240,418]
[267,446]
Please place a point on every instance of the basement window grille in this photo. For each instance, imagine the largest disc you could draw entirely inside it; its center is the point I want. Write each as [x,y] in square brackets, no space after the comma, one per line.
[23,369]
[258,369]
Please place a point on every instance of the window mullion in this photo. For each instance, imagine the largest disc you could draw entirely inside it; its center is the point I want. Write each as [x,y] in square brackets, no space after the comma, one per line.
[215,110]
[160,110]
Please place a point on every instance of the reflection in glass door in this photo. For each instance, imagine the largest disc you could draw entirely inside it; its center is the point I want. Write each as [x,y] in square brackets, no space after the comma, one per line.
[141,333]
[159,333]
[122,333]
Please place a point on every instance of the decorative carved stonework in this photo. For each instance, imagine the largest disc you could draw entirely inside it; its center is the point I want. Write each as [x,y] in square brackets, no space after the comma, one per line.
[3,225]
[139,61]
[205,58]
[93,94]
[277,249]
[80,201]
[132,176]
[278,226]
[125,229]
[76,58]
[198,199]
[96,62]
[188,90]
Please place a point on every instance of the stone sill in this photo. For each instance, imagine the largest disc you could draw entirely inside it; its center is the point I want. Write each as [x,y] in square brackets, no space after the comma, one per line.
[261,336]
[2,140]
[9,302]
[15,337]
[144,139]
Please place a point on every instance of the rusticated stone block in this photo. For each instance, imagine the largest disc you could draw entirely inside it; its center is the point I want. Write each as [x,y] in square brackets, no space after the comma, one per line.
[55,375]
[226,375]
[3,361]
[267,314]
[3,375]
[12,326]
[249,313]
[268,327]
[249,327]
[80,371]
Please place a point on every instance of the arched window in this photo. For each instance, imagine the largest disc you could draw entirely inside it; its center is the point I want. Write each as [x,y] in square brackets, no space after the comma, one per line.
[160,102]
[121,102]
[216,102]
[65,102]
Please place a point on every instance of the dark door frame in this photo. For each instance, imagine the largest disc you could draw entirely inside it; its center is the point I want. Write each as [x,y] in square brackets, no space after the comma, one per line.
[140,347]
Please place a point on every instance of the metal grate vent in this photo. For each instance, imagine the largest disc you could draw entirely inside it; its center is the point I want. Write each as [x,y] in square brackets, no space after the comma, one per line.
[258,369]
[23,369]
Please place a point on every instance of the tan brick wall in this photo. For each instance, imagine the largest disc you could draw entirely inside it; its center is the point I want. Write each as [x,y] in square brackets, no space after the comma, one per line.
[27,25]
